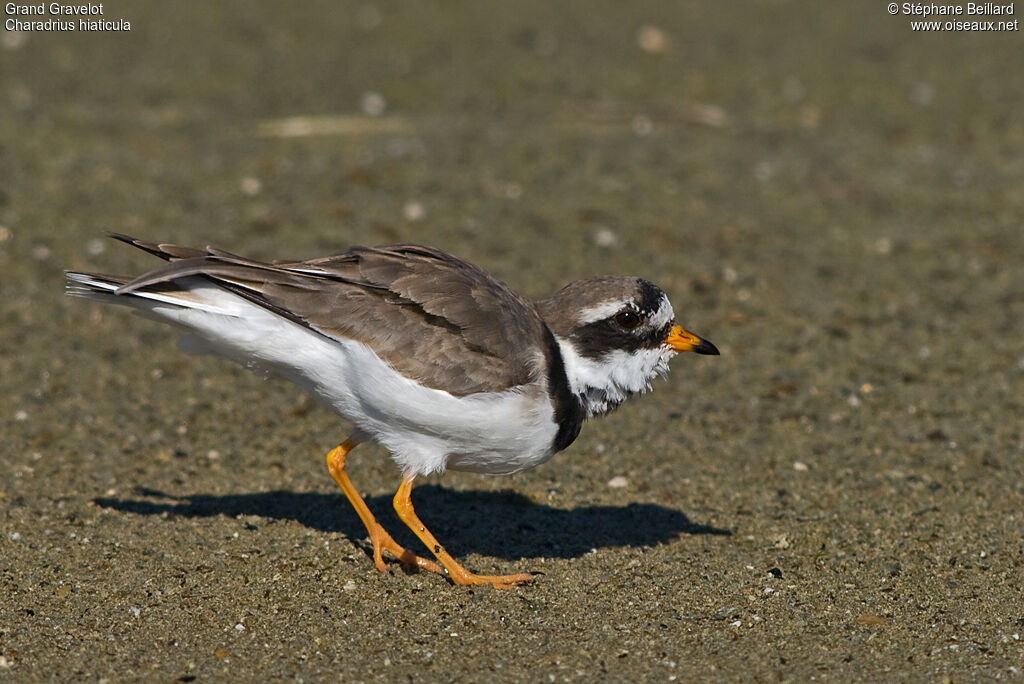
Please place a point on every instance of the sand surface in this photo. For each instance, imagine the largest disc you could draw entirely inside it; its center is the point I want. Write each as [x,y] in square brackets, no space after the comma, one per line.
[833,199]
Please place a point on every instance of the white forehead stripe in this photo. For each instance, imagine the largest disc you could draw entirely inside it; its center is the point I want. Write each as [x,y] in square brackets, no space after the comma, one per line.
[665,313]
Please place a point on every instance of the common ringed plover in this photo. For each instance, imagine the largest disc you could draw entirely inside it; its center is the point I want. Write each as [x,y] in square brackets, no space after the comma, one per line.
[427,354]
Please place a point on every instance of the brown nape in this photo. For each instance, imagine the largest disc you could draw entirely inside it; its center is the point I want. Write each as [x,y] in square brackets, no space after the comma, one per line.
[562,310]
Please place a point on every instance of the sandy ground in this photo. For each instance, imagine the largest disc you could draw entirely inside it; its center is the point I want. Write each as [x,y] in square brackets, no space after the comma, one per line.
[832,198]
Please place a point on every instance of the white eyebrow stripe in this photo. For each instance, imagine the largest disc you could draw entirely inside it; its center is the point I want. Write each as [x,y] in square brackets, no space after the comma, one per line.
[602,311]
[664,315]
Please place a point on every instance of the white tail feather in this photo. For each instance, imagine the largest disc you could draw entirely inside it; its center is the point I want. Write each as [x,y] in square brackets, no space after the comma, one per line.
[94,286]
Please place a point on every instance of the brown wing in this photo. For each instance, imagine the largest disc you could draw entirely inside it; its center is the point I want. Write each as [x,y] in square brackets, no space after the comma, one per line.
[437,319]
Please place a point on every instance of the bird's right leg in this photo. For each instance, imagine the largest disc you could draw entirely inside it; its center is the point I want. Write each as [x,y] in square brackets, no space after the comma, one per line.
[379,537]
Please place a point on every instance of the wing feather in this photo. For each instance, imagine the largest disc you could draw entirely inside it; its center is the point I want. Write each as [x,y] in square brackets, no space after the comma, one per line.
[436,318]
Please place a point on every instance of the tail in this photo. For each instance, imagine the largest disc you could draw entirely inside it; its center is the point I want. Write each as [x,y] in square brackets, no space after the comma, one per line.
[99,286]
[104,287]
[217,314]
[186,303]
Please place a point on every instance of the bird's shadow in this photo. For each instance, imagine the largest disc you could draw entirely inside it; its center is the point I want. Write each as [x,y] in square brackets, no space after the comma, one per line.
[500,524]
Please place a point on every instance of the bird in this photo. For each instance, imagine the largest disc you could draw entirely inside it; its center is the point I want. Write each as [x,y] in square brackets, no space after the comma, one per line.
[423,352]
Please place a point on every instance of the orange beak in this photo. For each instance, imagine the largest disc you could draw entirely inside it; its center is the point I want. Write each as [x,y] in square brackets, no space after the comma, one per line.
[684,341]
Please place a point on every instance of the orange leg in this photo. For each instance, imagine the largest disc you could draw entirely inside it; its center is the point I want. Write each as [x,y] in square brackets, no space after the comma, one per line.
[378,535]
[457,573]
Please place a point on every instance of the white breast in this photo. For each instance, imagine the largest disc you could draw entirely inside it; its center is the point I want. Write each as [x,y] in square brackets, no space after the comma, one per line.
[604,384]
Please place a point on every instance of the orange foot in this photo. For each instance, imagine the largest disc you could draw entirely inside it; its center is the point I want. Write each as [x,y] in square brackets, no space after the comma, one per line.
[382,541]
[455,571]
[379,537]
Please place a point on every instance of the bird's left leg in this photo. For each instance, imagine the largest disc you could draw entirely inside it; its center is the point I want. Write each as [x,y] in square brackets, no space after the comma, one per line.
[457,573]
[379,537]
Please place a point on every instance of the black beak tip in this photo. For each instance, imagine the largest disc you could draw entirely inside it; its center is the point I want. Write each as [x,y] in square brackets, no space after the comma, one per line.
[706,347]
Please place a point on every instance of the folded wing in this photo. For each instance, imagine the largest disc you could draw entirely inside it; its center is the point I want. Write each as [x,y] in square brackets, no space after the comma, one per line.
[436,318]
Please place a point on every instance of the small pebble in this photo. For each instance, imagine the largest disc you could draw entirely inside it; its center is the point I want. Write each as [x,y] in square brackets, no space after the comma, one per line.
[642,125]
[867,619]
[13,40]
[414,211]
[605,237]
[653,40]
[373,104]
[96,246]
[250,186]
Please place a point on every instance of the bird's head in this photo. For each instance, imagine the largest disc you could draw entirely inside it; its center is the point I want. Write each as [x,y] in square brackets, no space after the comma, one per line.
[615,334]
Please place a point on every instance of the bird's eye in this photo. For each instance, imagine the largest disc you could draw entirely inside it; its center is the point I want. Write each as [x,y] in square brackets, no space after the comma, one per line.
[628,319]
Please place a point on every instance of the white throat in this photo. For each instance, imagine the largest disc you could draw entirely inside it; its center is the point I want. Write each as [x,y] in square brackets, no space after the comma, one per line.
[602,385]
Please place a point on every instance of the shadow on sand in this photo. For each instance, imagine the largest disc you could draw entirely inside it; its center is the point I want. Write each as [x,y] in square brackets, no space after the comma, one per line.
[499,524]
